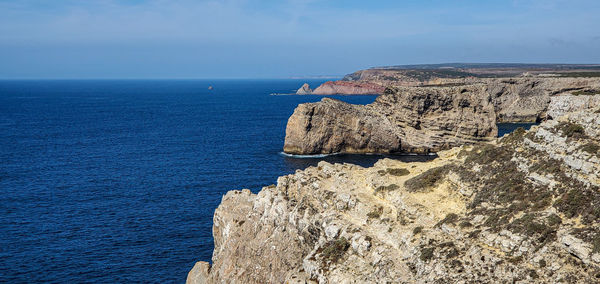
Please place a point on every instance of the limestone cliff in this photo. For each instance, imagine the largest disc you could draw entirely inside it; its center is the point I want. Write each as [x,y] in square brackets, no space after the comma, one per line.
[519,93]
[348,88]
[527,99]
[520,209]
[418,120]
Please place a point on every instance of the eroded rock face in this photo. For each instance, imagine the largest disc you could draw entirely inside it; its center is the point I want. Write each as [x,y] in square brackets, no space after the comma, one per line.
[516,98]
[418,120]
[528,99]
[332,126]
[519,209]
[348,88]
[562,104]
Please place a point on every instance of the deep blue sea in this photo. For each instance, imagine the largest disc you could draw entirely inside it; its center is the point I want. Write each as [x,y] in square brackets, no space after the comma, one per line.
[117,181]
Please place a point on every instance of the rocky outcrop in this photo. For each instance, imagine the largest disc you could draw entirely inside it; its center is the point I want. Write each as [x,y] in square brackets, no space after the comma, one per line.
[348,88]
[332,126]
[520,209]
[560,105]
[304,90]
[527,99]
[520,93]
[417,120]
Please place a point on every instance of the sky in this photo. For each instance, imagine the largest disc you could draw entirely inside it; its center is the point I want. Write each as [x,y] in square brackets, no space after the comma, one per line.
[187,39]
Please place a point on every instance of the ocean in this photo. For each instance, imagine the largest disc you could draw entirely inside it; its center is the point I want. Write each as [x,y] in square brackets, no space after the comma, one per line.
[117,181]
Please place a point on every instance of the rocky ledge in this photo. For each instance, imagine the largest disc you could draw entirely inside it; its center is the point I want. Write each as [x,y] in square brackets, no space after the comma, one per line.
[417,120]
[524,208]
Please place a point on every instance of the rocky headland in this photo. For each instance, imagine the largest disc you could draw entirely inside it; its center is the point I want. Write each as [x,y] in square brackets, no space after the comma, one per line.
[519,209]
[520,92]
[423,110]
[418,120]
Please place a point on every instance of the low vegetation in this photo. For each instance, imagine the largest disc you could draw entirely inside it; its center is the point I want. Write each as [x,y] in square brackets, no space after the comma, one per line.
[426,253]
[334,250]
[591,148]
[571,130]
[586,92]
[394,172]
[449,219]
[427,179]
[417,230]
[376,213]
[385,188]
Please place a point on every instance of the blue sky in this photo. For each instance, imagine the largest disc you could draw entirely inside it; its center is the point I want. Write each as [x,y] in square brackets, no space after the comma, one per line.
[284,38]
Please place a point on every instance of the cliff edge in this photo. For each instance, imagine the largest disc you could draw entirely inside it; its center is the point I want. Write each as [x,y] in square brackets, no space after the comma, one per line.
[520,208]
[413,120]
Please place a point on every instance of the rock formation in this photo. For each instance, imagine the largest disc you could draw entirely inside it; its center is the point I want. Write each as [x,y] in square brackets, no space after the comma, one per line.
[304,90]
[520,92]
[520,209]
[527,99]
[418,120]
[560,105]
[348,88]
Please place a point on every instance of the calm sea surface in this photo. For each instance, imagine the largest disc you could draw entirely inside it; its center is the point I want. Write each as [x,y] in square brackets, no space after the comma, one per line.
[117,181]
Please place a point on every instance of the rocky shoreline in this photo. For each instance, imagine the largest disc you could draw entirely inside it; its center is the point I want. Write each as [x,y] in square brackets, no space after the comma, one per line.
[426,118]
[412,120]
[522,208]
[518,209]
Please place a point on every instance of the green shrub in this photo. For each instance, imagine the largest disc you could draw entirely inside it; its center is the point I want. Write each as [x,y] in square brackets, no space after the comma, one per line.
[542,263]
[398,172]
[465,224]
[585,93]
[450,218]
[596,244]
[334,250]
[417,230]
[571,130]
[427,179]
[514,137]
[591,148]
[426,253]
[390,187]
[376,213]
[554,220]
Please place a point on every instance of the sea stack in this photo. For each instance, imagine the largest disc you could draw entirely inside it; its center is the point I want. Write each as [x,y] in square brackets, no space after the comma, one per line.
[304,90]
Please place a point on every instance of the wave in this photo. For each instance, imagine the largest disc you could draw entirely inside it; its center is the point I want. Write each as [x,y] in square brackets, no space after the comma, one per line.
[307,156]
[367,154]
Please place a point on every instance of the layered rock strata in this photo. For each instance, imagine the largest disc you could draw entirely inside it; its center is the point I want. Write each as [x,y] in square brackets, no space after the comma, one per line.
[516,97]
[418,120]
[520,209]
